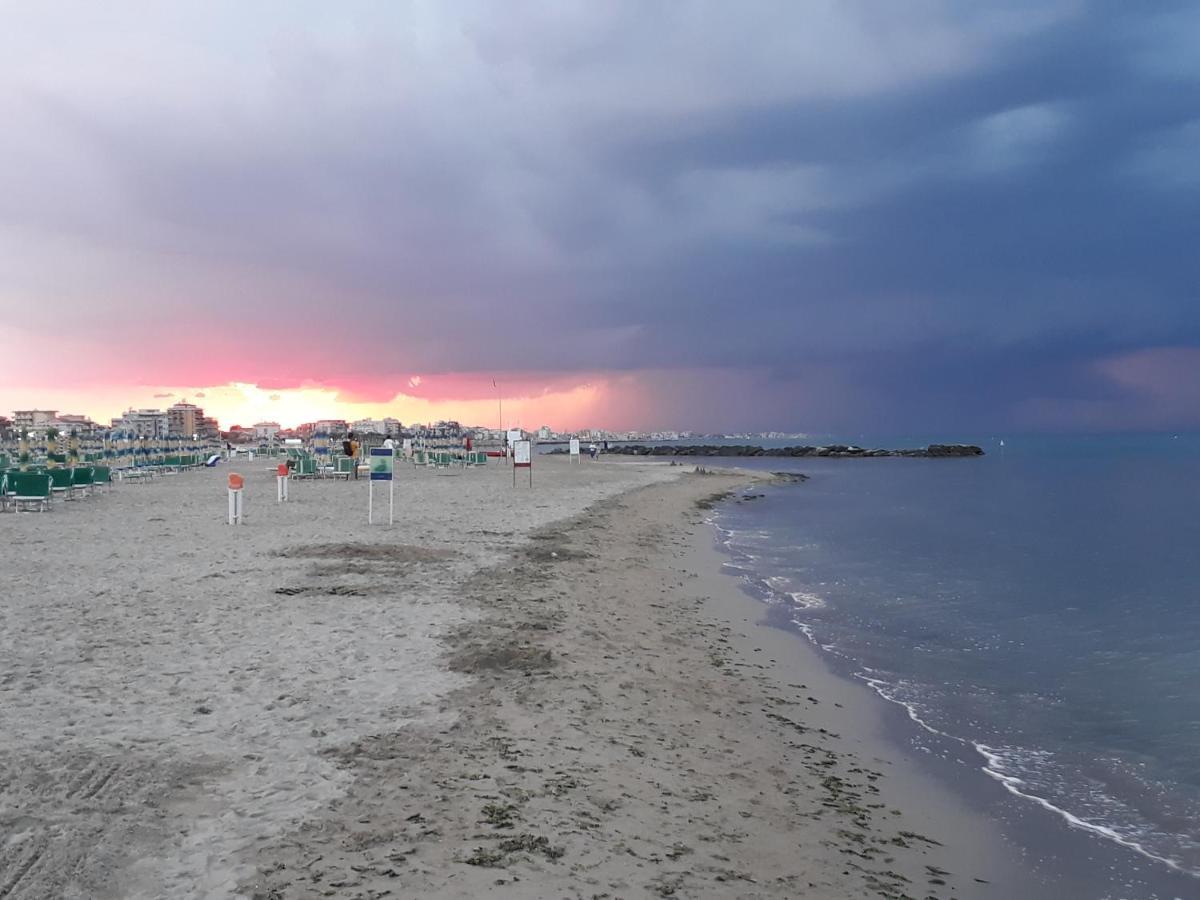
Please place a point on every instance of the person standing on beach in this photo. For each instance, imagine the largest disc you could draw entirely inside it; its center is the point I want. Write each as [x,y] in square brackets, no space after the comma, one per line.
[350,448]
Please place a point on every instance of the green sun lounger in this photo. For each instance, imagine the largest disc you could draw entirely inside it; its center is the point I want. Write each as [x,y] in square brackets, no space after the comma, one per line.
[60,481]
[29,489]
[305,467]
[81,480]
[102,477]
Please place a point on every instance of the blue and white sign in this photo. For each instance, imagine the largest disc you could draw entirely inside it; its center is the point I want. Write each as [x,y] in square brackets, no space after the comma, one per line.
[381,463]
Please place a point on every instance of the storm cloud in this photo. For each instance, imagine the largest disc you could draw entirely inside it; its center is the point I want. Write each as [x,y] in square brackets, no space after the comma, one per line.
[755,215]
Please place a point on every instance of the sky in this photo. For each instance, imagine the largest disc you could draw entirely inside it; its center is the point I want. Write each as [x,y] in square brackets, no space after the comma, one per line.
[812,216]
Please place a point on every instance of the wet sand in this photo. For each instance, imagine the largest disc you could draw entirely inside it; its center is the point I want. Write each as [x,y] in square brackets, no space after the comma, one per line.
[510,693]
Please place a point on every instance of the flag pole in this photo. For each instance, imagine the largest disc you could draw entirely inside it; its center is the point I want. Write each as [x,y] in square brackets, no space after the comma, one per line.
[500,414]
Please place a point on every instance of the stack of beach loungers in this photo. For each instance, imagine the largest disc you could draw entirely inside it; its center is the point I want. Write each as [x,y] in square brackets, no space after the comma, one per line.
[40,484]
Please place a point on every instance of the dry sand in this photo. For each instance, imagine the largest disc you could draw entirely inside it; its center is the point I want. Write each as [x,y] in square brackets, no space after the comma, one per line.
[501,695]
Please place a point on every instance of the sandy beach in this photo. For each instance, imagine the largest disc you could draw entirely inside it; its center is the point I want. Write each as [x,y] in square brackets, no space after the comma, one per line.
[510,692]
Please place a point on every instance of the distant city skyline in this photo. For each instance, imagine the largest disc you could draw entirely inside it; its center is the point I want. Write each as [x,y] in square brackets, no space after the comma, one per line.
[246,405]
[184,417]
[845,216]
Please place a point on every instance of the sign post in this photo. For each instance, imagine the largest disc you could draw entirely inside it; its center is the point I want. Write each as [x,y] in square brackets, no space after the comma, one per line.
[281,483]
[574,450]
[382,460]
[236,483]
[523,459]
[514,435]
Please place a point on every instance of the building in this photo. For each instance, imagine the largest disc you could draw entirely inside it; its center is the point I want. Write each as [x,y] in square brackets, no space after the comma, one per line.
[544,433]
[444,429]
[266,431]
[73,422]
[331,427]
[386,426]
[369,426]
[239,435]
[208,429]
[184,419]
[142,423]
[31,419]
[327,427]
[41,420]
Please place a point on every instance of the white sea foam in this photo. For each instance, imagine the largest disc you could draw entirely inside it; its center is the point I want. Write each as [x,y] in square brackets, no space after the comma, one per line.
[806,600]
[889,691]
[995,768]
[996,765]
[806,630]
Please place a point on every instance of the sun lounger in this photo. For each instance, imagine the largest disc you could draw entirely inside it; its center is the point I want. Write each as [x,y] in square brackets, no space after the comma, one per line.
[306,467]
[101,477]
[60,482]
[81,481]
[29,489]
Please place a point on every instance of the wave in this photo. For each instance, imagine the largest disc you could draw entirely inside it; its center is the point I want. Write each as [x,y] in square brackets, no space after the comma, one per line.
[780,584]
[1018,770]
[1000,759]
[999,764]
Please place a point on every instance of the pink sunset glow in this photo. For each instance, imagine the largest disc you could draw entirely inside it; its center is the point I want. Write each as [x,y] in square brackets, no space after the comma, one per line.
[628,219]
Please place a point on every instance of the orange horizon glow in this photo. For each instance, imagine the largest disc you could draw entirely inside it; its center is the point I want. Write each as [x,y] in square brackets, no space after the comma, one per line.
[244,404]
[625,400]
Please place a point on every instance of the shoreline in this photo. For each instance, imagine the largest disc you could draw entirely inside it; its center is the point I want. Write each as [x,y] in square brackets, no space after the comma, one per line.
[621,737]
[865,726]
[1060,852]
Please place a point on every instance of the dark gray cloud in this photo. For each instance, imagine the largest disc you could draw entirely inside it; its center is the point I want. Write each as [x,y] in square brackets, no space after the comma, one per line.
[937,214]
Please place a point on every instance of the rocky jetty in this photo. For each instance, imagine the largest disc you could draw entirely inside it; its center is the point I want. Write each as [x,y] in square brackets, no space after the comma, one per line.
[836,451]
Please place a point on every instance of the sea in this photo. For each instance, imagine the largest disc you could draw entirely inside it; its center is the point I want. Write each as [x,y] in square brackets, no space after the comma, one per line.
[1034,614]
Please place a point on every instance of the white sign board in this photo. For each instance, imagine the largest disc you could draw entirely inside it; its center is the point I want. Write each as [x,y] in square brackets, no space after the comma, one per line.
[523,459]
[574,446]
[514,435]
[383,463]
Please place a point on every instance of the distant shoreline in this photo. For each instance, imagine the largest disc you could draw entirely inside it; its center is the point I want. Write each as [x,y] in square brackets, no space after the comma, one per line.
[829,451]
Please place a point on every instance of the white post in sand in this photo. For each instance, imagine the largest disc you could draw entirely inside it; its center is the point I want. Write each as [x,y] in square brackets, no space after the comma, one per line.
[574,447]
[236,482]
[281,483]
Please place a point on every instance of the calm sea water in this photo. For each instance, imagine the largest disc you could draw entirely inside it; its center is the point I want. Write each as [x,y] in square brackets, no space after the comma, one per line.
[1041,605]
